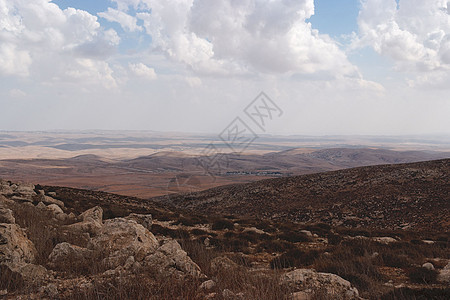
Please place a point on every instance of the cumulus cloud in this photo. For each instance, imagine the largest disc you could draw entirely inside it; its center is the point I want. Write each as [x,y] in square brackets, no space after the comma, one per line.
[236,37]
[142,70]
[125,20]
[39,39]
[414,33]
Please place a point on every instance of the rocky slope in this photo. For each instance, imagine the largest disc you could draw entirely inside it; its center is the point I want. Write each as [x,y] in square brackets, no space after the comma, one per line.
[415,196]
[62,243]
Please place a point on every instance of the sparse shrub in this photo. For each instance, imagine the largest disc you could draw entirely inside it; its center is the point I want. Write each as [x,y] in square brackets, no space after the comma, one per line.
[294,237]
[418,294]
[393,260]
[422,275]
[294,258]
[321,229]
[275,246]
[334,239]
[221,224]
[197,232]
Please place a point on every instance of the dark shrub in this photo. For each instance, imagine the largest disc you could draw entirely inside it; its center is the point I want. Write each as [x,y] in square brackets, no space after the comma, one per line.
[417,294]
[393,260]
[197,231]
[294,258]
[294,237]
[275,246]
[422,275]
[222,224]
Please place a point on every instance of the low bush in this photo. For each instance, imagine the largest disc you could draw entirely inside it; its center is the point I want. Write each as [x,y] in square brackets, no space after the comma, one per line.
[294,258]
[422,275]
[221,224]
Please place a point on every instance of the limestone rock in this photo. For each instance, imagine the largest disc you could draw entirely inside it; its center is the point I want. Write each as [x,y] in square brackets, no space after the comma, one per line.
[306,232]
[25,190]
[94,214]
[56,210]
[310,281]
[444,274]
[222,263]
[15,247]
[92,222]
[428,266]
[144,220]
[120,238]
[65,252]
[384,240]
[49,200]
[6,216]
[170,258]
[208,285]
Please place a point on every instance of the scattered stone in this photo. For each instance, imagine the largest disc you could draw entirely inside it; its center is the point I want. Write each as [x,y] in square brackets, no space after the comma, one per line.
[208,285]
[41,205]
[384,240]
[428,266]
[428,242]
[222,263]
[444,274]
[254,229]
[301,296]
[52,194]
[50,290]
[307,233]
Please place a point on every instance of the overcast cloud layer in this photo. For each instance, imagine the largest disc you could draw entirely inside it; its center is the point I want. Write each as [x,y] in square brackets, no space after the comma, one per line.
[193,65]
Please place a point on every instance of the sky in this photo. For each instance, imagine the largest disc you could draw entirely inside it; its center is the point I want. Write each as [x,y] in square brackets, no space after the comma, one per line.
[349,67]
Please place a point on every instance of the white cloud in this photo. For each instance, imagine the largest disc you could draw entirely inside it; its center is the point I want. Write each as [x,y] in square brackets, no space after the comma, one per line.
[125,20]
[143,71]
[415,34]
[17,93]
[236,37]
[39,39]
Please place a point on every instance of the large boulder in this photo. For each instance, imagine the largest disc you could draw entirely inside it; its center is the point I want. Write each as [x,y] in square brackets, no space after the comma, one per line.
[65,253]
[171,259]
[15,247]
[310,282]
[121,238]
